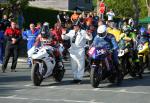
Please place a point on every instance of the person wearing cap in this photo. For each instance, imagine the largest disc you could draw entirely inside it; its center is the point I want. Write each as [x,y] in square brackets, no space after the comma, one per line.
[107,39]
[78,38]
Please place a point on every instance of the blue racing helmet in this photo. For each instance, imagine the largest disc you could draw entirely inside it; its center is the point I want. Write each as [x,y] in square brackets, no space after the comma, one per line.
[142,30]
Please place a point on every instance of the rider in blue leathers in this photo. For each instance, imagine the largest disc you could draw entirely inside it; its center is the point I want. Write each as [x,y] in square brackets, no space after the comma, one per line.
[107,39]
[143,36]
[30,36]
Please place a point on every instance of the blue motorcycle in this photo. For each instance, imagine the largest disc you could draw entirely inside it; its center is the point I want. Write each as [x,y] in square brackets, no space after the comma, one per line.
[101,66]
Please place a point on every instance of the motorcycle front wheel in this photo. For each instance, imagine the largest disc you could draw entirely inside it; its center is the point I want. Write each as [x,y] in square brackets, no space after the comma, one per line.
[94,77]
[35,75]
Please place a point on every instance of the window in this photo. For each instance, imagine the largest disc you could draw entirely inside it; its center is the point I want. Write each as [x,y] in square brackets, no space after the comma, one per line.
[87,1]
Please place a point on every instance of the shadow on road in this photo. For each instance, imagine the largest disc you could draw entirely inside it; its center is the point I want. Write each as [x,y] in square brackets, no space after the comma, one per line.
[8,91]
[131,82]
[14,79]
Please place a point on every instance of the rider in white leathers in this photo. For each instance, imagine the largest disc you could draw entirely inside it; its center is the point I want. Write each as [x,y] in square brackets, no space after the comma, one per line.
[78,39]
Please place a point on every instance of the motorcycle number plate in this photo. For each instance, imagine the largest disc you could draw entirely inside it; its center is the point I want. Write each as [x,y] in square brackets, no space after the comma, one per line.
[140,47]
[121,53]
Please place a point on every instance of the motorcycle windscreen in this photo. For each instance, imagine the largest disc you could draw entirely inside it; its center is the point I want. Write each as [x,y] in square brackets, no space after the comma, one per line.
[97,53]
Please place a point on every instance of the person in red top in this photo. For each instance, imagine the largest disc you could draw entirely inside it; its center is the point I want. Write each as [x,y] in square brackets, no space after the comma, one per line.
[56,32]
[13,37]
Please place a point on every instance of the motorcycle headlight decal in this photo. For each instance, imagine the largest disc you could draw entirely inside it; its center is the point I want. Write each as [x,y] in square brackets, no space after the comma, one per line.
[101,51]
[91,51]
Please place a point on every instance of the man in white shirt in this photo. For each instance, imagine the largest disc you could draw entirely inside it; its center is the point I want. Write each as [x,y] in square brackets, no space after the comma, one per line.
[78,38]
[110,15]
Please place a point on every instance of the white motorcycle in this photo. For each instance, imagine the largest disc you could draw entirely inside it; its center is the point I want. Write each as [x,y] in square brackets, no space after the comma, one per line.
[44,65]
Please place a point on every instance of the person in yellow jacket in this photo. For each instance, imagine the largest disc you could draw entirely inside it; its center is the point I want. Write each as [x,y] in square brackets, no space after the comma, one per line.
[111,29]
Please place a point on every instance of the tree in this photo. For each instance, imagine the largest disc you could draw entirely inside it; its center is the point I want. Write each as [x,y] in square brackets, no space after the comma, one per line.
[125,8]
[15,7]
[122,8]
[148,7]
[137,10]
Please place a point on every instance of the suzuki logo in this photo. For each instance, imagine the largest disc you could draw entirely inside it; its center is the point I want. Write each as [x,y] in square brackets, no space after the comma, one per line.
[101,51]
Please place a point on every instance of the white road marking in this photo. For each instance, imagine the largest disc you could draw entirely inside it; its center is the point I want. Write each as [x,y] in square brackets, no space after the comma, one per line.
[95,89]
[52,87]
[29,85]
[21,90]
[89,89]
[100,90]
[51,100]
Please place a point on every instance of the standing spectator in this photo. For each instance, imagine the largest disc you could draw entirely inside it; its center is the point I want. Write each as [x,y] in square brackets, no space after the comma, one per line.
[66,43]
[30,36]
[1,44]
[148,33]
[20,21]
[74,17]
[66,17]
[78,39]
[121,22]
[90,29]
[5,22]
[81,19]
[83,14]
[102,9]
[95,20]
[1,12]
[89,19]
[13,37]
[39,26]
[61,18]
[131,22]
[57,31]
[110,15]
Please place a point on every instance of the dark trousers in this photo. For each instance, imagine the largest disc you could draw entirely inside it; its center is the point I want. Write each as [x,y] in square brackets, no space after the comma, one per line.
[10,51]
[1,53]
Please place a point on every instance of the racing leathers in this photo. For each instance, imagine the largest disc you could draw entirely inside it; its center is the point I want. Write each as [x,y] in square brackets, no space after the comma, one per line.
[50,41]
[109,42]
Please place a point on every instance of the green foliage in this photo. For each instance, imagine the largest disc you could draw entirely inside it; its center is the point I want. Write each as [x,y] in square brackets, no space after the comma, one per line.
[94,3]
[124,8]
[22,3]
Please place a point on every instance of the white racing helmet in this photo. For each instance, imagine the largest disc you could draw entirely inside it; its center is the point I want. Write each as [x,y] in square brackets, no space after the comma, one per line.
[101,29]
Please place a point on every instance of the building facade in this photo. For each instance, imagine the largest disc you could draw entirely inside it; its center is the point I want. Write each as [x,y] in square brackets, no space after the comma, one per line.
[63,4]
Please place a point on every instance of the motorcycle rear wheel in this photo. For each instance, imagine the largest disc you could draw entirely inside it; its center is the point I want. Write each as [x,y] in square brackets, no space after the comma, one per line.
[58,74]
